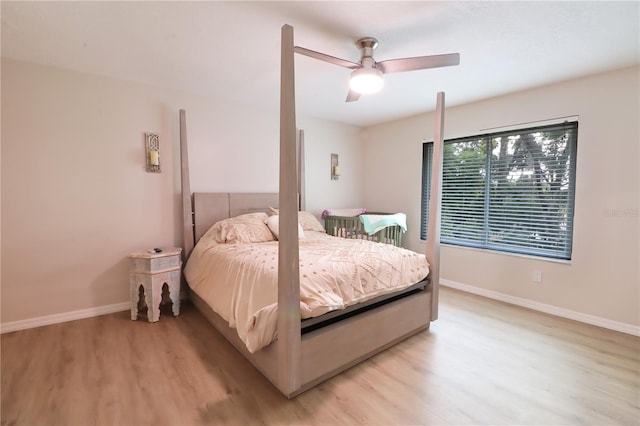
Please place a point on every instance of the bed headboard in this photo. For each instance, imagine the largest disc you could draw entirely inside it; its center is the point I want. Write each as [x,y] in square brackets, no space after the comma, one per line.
[211,207]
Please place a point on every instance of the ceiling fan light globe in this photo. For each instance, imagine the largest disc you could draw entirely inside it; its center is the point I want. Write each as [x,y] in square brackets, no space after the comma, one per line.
[366,80]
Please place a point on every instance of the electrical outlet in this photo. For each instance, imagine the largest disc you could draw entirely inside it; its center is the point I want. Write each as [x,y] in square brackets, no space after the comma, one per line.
[537,276]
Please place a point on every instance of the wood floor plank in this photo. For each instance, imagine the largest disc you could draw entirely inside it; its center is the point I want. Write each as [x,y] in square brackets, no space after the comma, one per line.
[482,362]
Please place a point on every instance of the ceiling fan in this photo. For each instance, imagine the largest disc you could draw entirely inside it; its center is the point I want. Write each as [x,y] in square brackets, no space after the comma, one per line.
[367,74]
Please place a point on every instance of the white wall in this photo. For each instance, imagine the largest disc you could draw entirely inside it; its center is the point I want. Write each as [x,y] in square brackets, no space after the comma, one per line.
[75,195]
[602,279]
[322,138]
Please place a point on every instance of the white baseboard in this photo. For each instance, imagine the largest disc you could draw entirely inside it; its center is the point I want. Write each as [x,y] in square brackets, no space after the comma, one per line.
[63,317]
[549,309]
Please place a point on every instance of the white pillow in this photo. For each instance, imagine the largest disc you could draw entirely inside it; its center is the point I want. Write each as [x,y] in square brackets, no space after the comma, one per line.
[309,222]
[273,222]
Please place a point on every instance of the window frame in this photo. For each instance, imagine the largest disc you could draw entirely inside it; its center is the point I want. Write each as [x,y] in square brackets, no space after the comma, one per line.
[569,128]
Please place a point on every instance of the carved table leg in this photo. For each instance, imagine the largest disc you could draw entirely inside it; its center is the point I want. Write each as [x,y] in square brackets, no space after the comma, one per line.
[133,287]
[174,291]
[155,297]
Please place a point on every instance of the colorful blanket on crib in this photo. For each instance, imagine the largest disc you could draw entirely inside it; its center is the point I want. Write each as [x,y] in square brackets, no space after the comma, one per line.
[376,222]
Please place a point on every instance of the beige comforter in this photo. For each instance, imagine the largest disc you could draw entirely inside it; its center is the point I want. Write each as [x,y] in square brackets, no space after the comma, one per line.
[240,283]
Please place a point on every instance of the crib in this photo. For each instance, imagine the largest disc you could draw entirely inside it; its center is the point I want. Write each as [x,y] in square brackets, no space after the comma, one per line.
[352,227]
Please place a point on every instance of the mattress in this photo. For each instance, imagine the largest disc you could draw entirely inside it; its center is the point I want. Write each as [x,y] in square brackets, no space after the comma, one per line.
[239,281]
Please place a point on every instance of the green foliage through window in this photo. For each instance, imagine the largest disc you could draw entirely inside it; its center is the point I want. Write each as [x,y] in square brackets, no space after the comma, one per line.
[509,191]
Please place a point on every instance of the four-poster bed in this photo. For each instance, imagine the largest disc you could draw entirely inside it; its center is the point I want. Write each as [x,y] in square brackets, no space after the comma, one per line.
[299,359]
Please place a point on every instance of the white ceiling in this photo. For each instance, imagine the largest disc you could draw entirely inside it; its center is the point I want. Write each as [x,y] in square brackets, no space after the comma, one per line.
[231,50]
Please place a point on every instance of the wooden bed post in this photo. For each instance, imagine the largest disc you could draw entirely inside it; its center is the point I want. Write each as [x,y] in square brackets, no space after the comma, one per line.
[301,171]
[289,337]
[433,229]
[185,183]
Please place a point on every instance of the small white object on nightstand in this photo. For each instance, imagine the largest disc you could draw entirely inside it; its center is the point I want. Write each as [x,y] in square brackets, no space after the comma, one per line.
[151,270]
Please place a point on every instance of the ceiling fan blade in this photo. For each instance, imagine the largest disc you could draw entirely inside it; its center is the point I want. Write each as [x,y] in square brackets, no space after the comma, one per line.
[326,58]
[352,96]
[418,63]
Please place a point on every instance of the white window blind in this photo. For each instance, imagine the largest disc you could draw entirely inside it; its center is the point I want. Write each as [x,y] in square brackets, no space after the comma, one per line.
[509,191]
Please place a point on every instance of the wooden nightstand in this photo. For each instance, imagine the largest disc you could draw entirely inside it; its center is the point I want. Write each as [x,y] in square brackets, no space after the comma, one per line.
[152,271]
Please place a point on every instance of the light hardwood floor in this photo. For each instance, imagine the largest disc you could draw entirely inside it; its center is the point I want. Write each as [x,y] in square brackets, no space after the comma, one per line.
[482,362]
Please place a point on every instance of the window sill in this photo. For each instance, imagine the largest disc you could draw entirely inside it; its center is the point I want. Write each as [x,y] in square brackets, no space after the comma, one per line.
[505,253]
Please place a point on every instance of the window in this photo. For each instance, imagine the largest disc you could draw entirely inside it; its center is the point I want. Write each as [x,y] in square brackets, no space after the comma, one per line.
[509,191]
